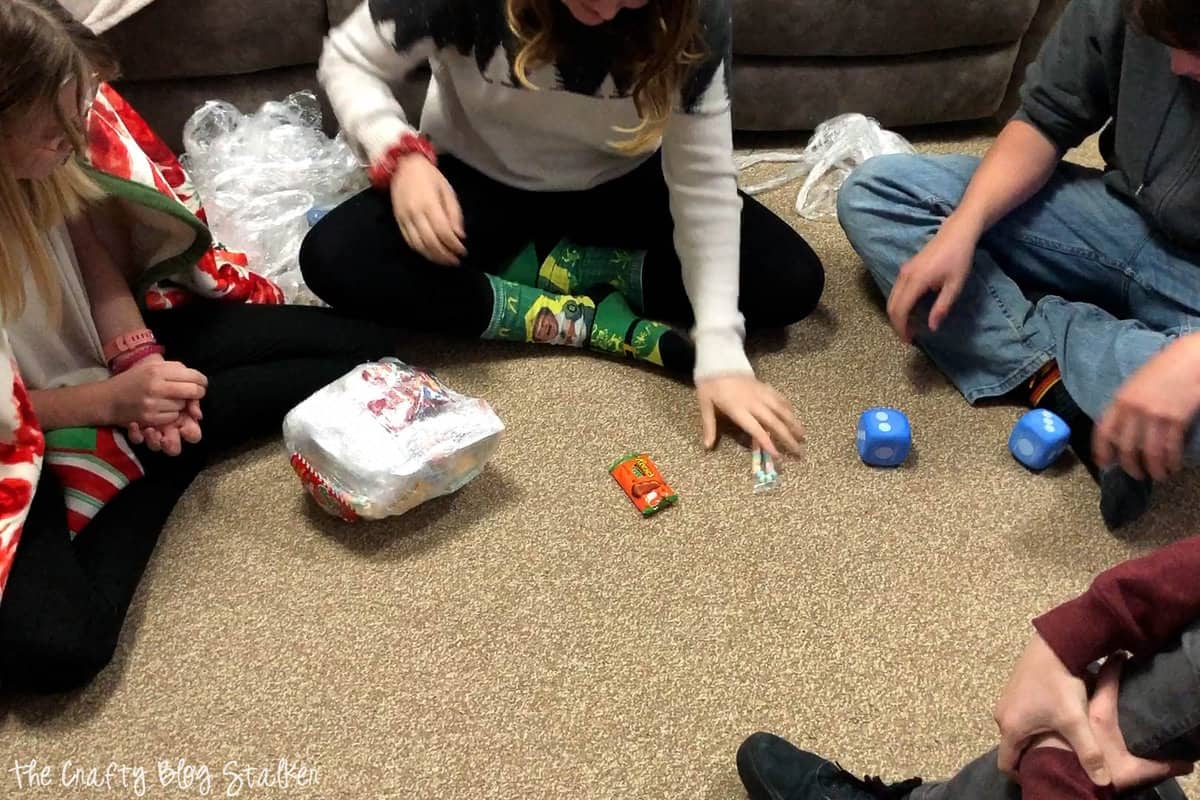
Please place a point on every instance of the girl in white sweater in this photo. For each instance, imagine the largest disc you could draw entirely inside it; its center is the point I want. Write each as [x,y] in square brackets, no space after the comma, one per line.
[577,176]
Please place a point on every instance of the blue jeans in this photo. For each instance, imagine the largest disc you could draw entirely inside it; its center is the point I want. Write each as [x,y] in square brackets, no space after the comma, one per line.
[1075,274]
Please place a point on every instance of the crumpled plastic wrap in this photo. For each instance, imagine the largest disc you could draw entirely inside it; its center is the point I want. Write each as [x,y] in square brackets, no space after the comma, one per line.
[263,175]
[385,438]
[836,148]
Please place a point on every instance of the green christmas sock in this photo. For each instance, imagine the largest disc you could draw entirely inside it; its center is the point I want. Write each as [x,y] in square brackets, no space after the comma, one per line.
[526,314]
[619,331]
[572,268]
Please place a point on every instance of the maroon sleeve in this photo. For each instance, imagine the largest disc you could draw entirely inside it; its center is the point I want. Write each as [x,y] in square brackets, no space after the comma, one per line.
[1136,606]
[1048,773]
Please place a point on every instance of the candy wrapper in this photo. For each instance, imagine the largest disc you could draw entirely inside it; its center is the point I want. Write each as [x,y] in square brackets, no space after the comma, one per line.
[762,467]
[643,483]
[385,438]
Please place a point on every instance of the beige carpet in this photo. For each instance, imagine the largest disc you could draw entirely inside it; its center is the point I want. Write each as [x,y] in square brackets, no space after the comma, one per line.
[533,637]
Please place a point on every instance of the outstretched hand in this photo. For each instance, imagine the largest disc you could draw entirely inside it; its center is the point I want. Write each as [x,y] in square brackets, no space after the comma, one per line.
[753,406]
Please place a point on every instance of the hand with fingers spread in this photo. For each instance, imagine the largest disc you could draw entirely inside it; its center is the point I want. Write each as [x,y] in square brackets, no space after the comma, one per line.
[1145,428]
[754,407]
[427,211]
[942,268]
[1042,697]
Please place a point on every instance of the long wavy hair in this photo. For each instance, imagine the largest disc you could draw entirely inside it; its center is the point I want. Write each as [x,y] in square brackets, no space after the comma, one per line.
[49,42]
[1173,22]
[658,54]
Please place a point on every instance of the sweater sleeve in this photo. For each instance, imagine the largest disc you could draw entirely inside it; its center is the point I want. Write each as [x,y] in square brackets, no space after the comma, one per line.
[700,174]
[1067,91]
[705,204]
[1049,773]
[359,65]
[1136,606]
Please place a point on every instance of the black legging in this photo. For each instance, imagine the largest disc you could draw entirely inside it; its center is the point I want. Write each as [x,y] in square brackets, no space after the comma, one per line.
[356,260]
[66,601]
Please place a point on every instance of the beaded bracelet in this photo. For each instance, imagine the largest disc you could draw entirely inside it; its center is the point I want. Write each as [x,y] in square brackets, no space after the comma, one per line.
[384,168]
[126,361]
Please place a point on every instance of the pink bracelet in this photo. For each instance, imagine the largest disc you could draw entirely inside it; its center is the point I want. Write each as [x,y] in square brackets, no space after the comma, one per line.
[127,343]
[126,361]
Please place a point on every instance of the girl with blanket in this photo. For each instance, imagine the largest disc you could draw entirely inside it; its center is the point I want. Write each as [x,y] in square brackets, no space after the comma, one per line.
[583,186]
[127,429]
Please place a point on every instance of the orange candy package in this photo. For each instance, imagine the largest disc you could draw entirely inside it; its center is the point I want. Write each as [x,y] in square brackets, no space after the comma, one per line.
[643,483]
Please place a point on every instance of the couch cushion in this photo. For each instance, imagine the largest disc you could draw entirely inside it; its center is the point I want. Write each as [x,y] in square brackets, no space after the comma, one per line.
[167,104]
[340,9]
[875,27]
[775,94]
[186,38]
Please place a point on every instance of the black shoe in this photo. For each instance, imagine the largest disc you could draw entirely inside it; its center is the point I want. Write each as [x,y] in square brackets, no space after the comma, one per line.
[1168,790]
[772,769]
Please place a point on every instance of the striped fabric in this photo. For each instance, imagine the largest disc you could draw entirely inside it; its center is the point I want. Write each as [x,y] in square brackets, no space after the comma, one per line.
[93,464]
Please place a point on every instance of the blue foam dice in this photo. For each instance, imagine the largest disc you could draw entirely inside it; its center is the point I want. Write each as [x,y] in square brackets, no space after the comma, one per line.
[884,437]
[1039,438]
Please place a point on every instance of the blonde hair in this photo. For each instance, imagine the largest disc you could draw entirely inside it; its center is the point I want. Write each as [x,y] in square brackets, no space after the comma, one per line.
[49,40]
[659,55]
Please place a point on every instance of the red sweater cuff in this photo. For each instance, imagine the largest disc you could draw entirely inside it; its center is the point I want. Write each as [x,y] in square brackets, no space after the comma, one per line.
[1080,631]
[1050,774]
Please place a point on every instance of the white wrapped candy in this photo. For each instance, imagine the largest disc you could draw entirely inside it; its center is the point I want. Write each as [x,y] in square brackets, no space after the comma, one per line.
[385,438]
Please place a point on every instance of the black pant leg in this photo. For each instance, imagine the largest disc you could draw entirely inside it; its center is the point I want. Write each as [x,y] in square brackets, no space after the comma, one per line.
[211,336]
[261,361]
[781,278]
[65,602]
[356,259]
[248,403]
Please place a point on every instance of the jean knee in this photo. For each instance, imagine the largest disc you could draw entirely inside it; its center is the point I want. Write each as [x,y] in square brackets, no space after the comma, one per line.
[867,191]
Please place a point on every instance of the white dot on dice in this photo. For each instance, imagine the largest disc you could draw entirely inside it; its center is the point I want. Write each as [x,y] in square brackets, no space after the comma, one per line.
[884,453]
[1026,447]
[885,426]
[881,416]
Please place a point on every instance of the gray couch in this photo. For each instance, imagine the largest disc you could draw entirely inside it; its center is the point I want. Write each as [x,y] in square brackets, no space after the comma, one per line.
[797,62]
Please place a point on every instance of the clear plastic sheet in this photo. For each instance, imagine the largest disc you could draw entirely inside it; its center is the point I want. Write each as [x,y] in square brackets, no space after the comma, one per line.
[385,438]
[263,176]
[836,148]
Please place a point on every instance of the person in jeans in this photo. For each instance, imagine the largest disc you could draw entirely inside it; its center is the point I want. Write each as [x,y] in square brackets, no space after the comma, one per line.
[1140,726]
[1073,289]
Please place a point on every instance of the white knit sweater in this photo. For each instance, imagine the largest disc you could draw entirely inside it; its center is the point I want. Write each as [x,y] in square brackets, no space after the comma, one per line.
[557,138]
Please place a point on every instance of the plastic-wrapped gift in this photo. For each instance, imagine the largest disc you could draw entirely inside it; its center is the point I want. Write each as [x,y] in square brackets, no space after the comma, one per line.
[385,438]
